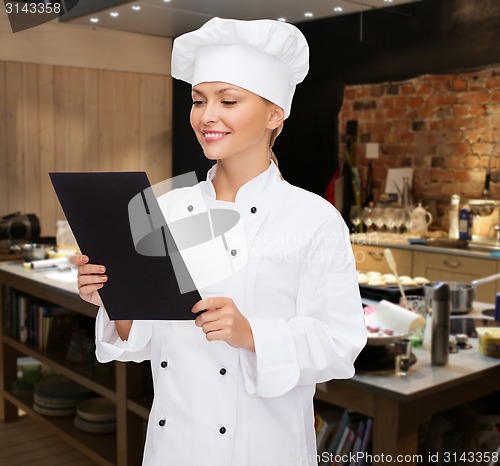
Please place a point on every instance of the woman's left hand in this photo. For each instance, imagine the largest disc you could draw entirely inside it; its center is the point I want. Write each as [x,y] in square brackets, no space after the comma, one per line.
[222,320]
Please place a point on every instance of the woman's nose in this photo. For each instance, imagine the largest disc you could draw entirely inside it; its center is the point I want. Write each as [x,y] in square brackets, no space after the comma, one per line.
[209,114]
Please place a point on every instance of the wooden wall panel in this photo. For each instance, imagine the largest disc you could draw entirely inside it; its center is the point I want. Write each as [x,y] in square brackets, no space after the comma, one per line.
[49,211]
[3,142]
[14,139]
[91,119]
[152,115]
[132,109]
[30,170]
[58,118]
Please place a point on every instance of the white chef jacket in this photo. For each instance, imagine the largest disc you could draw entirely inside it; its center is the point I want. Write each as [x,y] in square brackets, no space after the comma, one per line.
[216,405]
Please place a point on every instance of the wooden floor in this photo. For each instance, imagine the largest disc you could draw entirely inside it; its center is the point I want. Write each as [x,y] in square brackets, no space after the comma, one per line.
[26,443]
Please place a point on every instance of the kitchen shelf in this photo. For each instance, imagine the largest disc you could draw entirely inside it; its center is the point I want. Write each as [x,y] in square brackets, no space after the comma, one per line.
[141,406]
[99,447]
[123,384]
[103,384]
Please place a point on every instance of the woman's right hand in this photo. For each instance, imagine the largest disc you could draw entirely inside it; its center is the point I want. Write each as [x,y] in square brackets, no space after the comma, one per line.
[91,278]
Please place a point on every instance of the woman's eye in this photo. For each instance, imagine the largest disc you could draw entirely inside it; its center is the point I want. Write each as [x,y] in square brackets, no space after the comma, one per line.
[197,103]
[229,102]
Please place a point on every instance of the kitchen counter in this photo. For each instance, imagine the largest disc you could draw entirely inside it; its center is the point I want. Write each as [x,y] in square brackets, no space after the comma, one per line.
[63,279]
[399,405]
[432,262]
[392,240]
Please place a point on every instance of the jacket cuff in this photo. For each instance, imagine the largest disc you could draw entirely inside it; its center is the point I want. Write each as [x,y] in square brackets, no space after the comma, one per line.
[110,347]
[273,369]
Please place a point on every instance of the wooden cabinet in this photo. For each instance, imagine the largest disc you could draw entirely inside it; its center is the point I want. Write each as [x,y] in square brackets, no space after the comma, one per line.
[371,258]
[123,385]
[459,269]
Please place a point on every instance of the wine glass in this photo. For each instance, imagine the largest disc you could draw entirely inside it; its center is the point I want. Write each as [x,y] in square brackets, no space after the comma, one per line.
[355,217]
[407,219]
[378,217]
[367,216]
[398,215]
[389,218]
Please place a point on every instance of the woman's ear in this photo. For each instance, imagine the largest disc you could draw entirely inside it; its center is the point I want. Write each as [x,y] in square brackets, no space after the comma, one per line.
[276,117]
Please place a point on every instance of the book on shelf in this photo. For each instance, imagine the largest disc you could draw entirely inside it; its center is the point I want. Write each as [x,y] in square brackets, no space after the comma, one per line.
[327,423]
[336,439]
[342,446]
[356,448]
[36,323]
[23,319]
[350,441]
[366,441]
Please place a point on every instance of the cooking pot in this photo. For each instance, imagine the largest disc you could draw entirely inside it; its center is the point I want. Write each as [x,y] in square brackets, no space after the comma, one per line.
[32,251]
[462,294]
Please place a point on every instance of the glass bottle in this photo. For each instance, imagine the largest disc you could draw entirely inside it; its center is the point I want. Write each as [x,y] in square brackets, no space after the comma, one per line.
[453,232]
[406,198]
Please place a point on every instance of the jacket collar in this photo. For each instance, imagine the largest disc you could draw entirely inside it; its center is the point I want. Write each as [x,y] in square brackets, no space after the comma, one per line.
[252,189]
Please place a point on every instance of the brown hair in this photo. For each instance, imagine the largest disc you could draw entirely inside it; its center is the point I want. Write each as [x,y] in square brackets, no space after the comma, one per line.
[274,134]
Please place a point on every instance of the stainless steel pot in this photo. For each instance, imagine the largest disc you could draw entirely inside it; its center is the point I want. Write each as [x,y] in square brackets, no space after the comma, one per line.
[32,251]
[462,294]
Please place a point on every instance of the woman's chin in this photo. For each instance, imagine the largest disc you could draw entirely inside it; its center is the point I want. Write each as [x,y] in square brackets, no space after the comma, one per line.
[211,156]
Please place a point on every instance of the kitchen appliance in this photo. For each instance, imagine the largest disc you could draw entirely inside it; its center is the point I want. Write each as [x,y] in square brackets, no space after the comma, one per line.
[485,222]
[462,294]
[441,307]
[19,226]
[32,251]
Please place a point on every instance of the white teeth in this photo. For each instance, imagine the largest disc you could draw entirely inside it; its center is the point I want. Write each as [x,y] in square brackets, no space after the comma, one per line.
[214,135]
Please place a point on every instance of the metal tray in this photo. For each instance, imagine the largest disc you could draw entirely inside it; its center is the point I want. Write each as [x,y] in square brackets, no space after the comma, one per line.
[390,293]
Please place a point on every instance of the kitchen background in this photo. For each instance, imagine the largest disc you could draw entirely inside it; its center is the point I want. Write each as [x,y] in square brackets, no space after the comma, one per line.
[444,126]
[426,73]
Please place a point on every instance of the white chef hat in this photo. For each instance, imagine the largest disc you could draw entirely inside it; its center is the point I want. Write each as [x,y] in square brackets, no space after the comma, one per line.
[266,57]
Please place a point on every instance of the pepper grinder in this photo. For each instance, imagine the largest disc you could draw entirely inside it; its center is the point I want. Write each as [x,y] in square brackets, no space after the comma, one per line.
[441,310]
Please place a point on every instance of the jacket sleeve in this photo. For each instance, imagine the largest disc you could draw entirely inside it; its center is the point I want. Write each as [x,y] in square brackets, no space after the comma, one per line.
[110,347]
[323,339]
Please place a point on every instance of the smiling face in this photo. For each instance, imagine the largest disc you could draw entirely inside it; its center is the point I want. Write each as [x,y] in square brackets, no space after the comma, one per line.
[230,121]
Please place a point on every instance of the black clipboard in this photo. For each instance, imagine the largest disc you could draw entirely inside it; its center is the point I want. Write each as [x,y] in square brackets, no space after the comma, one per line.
[139,287]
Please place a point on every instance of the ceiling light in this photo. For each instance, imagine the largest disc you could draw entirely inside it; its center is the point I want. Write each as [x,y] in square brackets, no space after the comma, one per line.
[282,19]
[166,1]
[136,7]
[338,9]
[94,20]
[308,14]
[388,1]
[114,14]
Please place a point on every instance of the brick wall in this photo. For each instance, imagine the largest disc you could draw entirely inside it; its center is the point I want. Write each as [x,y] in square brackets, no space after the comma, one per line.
[444,126]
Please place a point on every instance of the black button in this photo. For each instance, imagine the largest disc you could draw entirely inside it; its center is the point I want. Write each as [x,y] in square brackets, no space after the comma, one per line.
[190,208]
[164,364]
[253,210]
[162,422]
[223,371]
[222,430]
[233,252]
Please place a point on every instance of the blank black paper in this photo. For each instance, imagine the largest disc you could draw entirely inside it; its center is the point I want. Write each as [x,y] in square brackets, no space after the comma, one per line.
[139,287]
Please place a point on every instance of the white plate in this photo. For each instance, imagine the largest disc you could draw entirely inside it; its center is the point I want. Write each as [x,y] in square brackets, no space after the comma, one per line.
[97,410]
[56,412]
[94,427]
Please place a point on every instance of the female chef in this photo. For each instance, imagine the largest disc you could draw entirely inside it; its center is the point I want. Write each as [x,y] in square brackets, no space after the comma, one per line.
[235,386]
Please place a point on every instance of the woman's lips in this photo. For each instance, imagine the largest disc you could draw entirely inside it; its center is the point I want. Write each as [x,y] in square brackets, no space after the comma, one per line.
[211,136]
